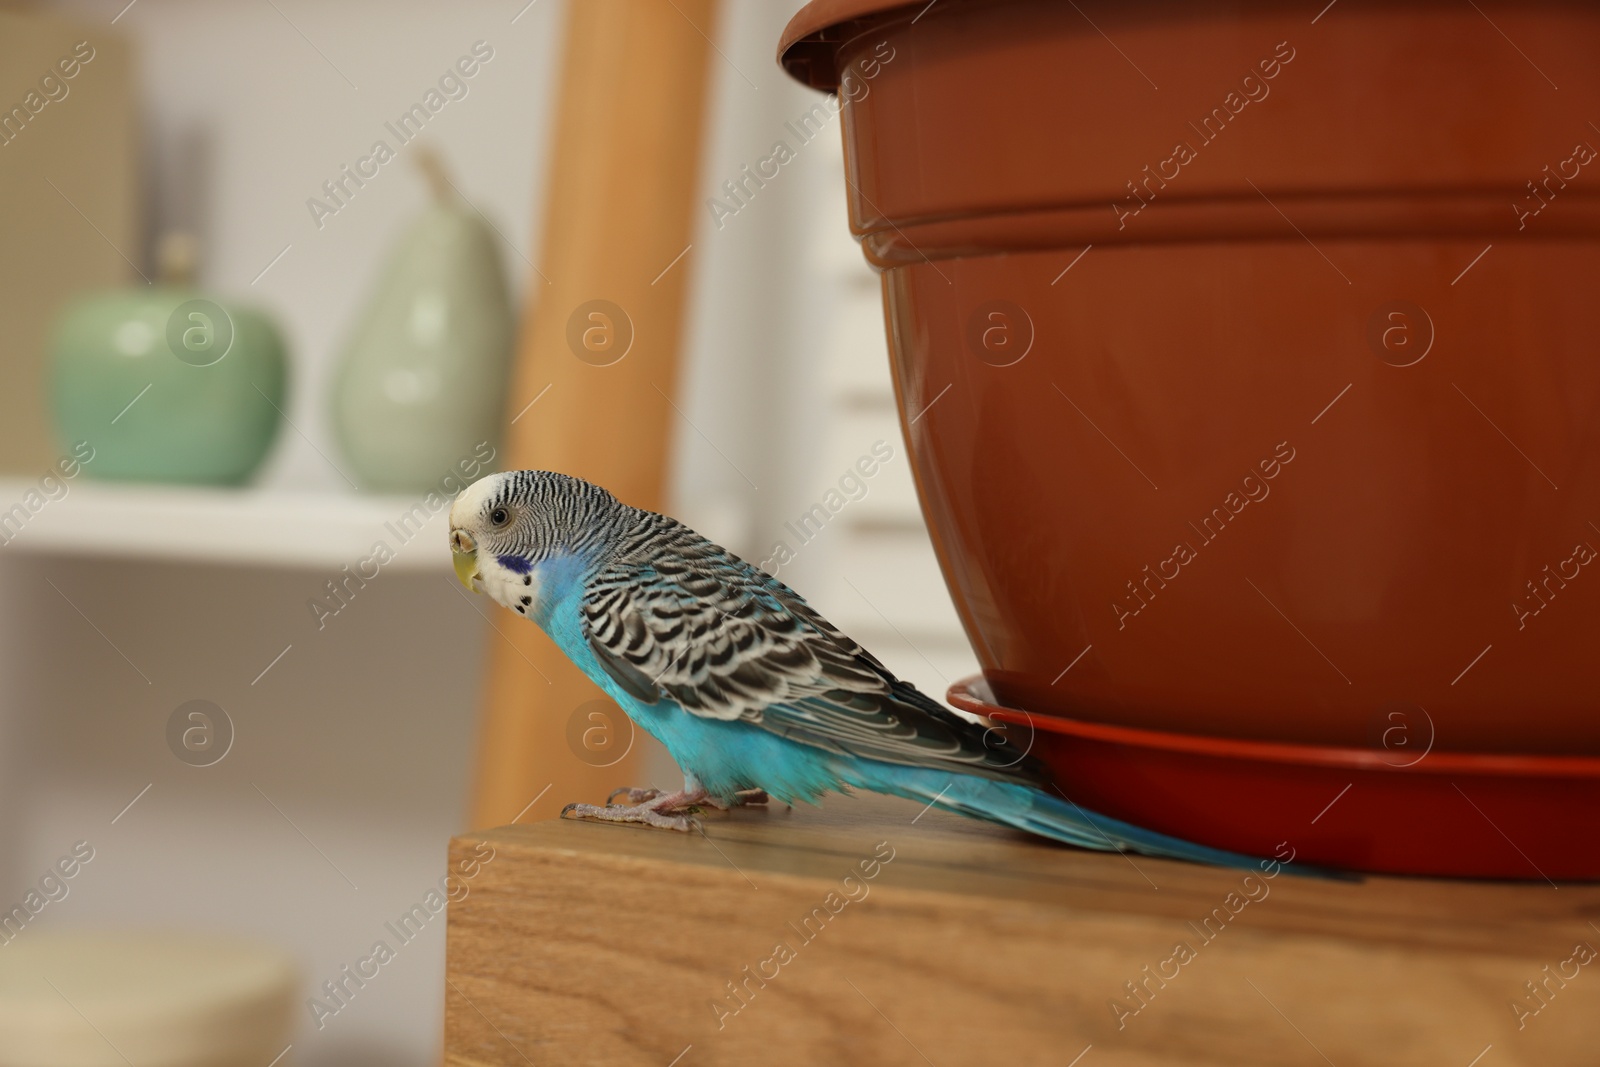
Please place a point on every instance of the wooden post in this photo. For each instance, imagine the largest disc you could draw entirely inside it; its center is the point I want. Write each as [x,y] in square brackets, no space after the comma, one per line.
[598,358]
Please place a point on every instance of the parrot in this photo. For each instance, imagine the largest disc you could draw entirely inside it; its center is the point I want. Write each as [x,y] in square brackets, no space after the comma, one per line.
[754,694]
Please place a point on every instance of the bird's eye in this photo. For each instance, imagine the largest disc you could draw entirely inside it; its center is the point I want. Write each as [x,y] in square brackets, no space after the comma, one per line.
[499,516]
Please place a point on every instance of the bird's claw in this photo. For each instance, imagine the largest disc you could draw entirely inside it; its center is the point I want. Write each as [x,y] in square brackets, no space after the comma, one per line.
[688,800]
[639,813]
[665,811]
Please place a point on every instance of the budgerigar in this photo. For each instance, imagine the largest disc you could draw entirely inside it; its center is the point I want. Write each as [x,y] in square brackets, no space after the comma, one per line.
[747,686]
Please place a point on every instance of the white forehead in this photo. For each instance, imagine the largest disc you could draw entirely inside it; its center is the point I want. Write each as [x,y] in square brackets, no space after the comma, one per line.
[469,505]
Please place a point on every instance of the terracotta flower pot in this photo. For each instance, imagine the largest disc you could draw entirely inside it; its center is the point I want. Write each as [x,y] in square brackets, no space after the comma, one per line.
[1249,362]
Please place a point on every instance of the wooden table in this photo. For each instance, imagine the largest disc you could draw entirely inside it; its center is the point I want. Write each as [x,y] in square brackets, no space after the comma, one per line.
[763,940]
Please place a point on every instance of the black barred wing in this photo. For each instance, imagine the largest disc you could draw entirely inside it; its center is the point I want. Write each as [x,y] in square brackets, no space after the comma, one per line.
[684,619]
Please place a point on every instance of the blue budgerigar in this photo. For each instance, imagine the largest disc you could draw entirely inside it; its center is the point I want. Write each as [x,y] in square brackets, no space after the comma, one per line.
[749,688]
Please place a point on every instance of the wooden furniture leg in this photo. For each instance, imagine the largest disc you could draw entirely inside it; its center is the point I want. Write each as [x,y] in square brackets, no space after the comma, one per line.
[597,361]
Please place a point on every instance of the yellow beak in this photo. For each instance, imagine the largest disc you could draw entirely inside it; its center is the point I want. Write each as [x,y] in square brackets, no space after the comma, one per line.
[466,565]
[464,557]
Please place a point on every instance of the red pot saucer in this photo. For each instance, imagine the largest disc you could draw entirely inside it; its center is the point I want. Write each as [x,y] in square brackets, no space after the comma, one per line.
[1457,814]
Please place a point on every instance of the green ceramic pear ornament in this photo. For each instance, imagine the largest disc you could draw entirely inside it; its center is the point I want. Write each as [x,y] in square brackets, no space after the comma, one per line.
[421,383]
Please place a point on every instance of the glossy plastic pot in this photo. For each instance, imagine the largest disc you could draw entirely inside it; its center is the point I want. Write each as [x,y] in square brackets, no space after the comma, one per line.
[1246,359]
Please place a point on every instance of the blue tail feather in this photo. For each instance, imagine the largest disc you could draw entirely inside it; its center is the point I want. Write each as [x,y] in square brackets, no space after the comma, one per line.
[1025,808]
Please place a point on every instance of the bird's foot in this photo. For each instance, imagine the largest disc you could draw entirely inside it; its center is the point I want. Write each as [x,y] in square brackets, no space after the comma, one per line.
[645,813]
[665,811]
[692,797]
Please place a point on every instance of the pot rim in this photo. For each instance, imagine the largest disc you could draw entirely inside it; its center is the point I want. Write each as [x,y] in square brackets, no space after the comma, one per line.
[967,695]
[812,37]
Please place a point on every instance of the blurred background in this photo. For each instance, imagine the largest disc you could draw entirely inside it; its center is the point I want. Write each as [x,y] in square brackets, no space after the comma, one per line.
[194,153]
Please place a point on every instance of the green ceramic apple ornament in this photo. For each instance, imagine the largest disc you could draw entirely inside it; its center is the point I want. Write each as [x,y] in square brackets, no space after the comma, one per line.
[421,385]
[166,384]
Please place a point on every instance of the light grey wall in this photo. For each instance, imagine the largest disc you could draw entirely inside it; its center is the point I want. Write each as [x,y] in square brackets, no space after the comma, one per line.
[751,390]
[362,734]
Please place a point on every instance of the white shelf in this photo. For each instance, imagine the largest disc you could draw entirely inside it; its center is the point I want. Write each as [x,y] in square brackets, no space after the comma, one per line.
[241,527]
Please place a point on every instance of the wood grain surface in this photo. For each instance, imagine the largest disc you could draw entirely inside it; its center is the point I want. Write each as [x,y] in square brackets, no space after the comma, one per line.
[599,944]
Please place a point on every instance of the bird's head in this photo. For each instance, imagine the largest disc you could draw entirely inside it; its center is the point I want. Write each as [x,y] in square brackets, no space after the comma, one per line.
[504,527]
